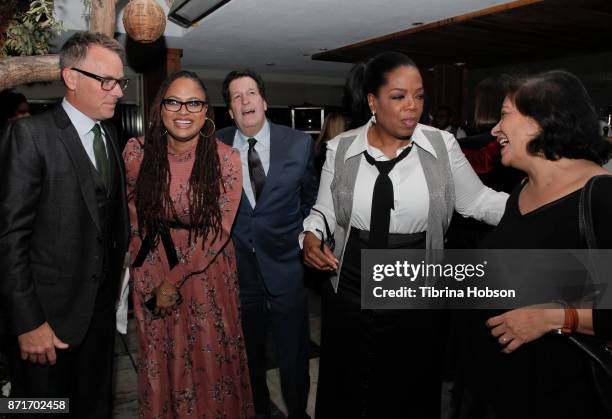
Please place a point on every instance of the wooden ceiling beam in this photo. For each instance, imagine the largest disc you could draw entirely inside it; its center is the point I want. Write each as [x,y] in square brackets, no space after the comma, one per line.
[520,30]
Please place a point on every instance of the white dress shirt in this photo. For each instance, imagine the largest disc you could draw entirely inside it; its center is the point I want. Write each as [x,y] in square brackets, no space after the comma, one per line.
[411,194]
[262,146]
[83,125]
[459,134]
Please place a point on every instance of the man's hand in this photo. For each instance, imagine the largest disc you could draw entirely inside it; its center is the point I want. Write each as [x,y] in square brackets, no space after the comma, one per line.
[314,257]
[39,345]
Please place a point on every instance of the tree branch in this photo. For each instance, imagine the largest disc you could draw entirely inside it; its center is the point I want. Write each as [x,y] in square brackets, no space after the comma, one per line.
[103,17]
[21,70]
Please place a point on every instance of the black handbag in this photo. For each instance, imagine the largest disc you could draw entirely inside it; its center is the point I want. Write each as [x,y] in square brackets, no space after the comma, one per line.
[598,350]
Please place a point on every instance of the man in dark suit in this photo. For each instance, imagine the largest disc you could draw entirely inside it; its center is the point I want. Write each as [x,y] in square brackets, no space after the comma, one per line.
[279,187]
[64,233]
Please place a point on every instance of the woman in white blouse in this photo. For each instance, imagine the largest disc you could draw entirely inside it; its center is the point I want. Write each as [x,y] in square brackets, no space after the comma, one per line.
[391,183]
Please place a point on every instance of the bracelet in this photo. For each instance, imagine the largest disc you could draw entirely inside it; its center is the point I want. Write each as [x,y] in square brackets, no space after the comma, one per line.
[570,323]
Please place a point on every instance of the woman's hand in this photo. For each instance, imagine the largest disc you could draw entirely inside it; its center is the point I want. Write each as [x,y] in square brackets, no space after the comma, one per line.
[517,327]
[166,296]
[314,257]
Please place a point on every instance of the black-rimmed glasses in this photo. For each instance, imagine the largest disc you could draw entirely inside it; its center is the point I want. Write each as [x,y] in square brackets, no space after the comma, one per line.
[328,238]
[192,106]
[107,83]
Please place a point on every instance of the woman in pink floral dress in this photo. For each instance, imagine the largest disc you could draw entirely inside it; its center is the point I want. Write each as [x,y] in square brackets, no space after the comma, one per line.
[184,188]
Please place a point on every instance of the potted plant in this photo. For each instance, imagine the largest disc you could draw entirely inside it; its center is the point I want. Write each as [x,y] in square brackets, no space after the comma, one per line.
[26,29]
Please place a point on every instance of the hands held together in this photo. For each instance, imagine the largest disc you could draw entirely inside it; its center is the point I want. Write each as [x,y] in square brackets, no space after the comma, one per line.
[167,297]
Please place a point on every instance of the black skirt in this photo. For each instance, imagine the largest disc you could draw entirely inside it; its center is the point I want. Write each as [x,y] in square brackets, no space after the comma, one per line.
[377,363]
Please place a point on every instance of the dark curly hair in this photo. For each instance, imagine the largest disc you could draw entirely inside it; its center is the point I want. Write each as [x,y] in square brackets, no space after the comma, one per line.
[559,103]
[238,74]
[152,196]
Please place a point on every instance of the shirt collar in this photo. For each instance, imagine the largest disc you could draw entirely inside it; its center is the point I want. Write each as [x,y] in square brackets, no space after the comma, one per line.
[81,122]
[262,137]
[360,144]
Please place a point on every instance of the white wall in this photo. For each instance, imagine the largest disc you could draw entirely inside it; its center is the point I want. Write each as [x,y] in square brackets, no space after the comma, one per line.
[55,89]
[281,90]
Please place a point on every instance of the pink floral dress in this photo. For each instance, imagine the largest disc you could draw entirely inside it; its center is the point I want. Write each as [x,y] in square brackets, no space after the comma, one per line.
[192,363]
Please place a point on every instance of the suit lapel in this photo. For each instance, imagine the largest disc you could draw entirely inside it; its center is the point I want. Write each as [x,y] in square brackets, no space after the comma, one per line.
[119,180]
[114,156]
[227,136]
[80,161]
[278,156]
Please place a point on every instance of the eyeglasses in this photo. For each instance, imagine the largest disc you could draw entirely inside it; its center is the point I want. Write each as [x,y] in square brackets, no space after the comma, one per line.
[192,106]
[107,83]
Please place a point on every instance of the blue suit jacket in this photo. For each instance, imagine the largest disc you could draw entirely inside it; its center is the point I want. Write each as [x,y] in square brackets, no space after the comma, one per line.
[267,237]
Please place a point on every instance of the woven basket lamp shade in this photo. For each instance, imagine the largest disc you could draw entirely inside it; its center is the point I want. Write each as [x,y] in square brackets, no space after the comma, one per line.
[144,20]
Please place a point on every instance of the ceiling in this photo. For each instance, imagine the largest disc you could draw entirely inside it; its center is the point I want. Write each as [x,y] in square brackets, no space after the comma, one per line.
[278,37]
[521,31]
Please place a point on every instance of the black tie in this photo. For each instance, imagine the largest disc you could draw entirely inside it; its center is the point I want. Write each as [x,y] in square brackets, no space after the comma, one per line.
[100,155]
[256,170]
[382,199]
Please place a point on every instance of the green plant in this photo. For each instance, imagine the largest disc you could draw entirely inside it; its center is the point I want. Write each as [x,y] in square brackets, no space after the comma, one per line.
[29,32]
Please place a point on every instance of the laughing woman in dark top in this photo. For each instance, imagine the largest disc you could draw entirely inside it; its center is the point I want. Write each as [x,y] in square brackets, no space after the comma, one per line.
[515,368]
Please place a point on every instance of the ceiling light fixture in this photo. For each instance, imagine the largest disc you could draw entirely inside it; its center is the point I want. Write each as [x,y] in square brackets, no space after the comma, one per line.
[187,12]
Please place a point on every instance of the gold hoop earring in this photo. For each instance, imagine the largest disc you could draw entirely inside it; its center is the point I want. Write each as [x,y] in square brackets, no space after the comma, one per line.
[212,131]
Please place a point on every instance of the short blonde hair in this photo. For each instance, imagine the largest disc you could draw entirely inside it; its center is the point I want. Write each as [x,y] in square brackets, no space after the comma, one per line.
[333,125]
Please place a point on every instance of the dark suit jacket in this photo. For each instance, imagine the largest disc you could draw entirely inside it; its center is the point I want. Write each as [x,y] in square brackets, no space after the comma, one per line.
[273,227]
[51,252]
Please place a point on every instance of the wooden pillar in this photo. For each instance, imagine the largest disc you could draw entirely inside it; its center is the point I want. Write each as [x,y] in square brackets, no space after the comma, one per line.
[446,85]
[154,75]
[102,17]
[173,63]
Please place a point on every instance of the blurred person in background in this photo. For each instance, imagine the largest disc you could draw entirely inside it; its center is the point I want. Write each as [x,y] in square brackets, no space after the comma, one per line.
[483,152]
[443,119]
[334,124]
[13,105]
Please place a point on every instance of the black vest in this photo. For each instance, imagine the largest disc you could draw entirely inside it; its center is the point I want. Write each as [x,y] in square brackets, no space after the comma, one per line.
[108,207]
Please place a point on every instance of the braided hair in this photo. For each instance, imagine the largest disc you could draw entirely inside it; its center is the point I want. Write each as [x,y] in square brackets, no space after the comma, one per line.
[152,195]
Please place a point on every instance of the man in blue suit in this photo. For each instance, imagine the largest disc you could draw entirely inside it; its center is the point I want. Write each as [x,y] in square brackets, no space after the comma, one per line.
[279,188]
